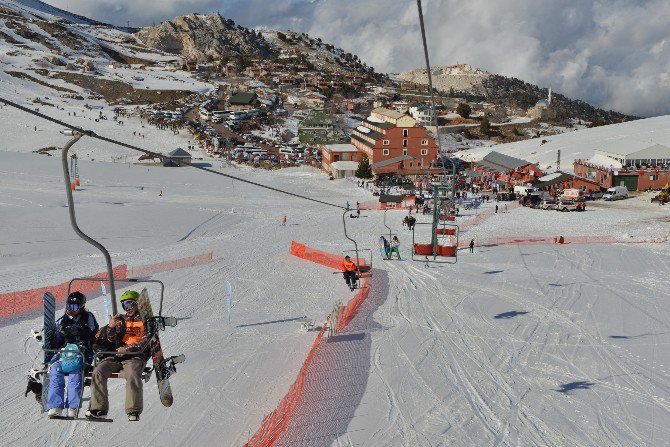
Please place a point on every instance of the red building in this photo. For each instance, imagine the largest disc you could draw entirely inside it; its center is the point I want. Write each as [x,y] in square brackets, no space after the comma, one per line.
[632,177]
[396,145]
[503,168]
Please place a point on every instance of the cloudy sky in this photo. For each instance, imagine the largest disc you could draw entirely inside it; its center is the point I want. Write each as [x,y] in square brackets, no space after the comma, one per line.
[613,54]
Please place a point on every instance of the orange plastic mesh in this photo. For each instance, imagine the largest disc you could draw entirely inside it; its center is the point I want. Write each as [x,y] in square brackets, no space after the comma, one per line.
[274,424]
[14,303]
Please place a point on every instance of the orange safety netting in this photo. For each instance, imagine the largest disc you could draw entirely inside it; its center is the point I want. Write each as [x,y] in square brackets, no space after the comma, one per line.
[347,312]
[274,424]
[14,303]
[320,257]
[150,269]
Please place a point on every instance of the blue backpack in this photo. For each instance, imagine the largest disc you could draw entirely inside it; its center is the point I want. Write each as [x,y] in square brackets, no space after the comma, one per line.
[70,359]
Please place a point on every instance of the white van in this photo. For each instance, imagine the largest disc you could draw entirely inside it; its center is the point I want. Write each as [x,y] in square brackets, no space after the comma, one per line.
[205,114]
[523,190]
[616,193]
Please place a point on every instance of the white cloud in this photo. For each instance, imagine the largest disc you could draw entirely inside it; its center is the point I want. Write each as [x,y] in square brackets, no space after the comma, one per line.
[611,53]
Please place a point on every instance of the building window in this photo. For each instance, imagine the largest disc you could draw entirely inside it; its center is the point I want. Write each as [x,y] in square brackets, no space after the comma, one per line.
[404,151]
[424,142]
[424,151]
[405,132]
[411,164]
[386,142]
[404,143]
[387,151]
[653,177]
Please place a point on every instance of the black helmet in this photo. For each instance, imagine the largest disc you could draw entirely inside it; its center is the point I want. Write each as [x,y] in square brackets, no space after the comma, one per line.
[76,298]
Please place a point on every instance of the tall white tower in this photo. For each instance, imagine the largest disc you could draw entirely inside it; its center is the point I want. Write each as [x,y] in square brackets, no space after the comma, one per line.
[550,95]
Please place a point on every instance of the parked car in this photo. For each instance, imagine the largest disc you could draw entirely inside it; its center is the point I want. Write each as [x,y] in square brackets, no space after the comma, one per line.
[566,205]
[548,204]
[616,193]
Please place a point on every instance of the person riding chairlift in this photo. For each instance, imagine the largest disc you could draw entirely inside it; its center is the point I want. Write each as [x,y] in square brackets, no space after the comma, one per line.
[349,270]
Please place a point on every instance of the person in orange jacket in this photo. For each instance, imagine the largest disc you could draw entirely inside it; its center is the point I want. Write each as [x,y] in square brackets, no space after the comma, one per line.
[349,269]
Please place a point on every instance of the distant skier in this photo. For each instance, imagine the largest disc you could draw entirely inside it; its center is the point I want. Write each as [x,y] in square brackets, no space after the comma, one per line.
[124,334]
[411,221]
[283,221]
[349,269]
[496,209]
[346,205]
[472,245]
[77,326]
[395,248]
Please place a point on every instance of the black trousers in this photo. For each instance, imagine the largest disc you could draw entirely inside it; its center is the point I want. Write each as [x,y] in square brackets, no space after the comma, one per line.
[350,278]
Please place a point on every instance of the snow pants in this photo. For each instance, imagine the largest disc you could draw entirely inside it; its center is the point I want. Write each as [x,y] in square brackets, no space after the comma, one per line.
[394,250]
[132,371]
[57,387]
[350,278]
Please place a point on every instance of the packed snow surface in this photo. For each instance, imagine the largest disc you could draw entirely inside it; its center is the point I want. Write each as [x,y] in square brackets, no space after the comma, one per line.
[541,345]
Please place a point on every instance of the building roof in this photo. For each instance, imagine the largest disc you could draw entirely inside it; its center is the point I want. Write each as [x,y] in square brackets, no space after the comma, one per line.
[505,160]
[316,118]
[472,173]
[490,166]
[362,140]
[344,165]
[339,147]
[242,98]
[383,125]
[652,152]
[388,113]
[179,153]
[552,179]
[605,161]
[390,161]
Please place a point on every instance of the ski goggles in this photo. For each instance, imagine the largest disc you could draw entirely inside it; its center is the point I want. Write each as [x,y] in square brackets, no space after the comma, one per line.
[129,304]
[72,306]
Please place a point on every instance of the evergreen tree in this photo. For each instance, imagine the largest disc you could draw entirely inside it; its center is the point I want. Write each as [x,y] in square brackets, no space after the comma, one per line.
[464,110]
[364,170]
[485,126]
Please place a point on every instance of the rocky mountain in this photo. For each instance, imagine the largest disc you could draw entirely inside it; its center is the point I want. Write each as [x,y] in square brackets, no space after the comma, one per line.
[459,78]
[475,84]
[203,38]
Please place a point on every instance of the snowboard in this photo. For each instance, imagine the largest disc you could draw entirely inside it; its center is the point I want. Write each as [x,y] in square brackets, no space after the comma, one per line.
[164,390]
[49,302]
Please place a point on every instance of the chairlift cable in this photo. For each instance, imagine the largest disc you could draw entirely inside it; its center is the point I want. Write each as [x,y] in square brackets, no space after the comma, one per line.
[432,100]
[90,133]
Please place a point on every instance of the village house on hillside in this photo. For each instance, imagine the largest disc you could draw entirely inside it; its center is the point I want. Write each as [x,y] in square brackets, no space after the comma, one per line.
[318,128]
[396,145]
[243,101]
[340,160]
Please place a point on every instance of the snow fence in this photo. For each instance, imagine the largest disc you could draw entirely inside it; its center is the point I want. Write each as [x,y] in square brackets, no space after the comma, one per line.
[275,423]
[538,240]
[15,303]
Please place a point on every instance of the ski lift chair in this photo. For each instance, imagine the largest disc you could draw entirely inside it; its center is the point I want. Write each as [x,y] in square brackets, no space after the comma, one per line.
[364,267]
[390,233]
[445,249]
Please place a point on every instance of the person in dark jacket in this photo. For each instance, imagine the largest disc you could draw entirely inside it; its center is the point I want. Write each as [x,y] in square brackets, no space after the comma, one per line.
[77,326]
[126,335]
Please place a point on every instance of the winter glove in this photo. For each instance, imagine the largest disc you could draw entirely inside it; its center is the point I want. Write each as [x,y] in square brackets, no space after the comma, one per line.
[71,331]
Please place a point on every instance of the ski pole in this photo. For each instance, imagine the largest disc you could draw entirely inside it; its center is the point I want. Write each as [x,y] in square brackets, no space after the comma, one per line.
[104,301]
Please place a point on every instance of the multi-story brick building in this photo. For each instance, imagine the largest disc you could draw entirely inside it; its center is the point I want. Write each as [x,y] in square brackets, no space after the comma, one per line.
[396,145]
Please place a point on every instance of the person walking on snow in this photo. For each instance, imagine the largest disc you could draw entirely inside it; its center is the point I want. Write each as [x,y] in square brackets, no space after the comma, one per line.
[283,221]
[384,247]
[126,335]
[395,247]
[77,326]
[349,269]
[472,245]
